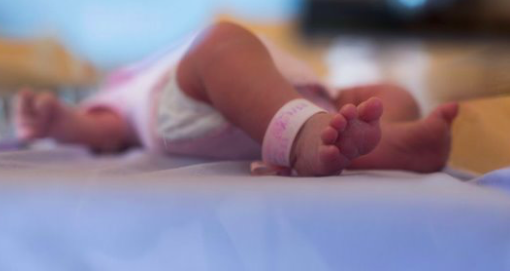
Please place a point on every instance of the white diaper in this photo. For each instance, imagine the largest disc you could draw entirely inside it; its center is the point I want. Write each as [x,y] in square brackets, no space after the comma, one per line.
[187,126]
[180,118]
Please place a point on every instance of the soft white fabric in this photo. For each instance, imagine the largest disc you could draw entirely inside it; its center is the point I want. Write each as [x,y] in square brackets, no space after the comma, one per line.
[64,209]
[180,117]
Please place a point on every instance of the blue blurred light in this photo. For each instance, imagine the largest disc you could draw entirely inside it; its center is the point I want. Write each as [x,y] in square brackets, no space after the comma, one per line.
[412,4]
[115,32]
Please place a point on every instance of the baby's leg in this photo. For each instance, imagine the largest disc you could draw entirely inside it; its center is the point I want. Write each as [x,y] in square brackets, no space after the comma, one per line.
[407,142]
[229,68]
[42,115]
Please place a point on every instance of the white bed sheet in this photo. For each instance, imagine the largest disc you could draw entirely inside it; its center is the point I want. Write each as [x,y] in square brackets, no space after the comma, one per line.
[64,209]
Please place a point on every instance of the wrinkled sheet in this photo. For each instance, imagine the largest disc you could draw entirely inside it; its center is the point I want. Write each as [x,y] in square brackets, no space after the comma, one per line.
[65,209]
[498,179]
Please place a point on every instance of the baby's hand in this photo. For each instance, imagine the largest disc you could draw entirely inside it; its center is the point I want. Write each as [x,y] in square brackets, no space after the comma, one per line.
[34,114]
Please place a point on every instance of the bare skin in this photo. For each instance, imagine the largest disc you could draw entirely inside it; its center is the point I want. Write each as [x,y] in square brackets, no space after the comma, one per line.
[328,143]
[42,115]
[408,142]
[217,72]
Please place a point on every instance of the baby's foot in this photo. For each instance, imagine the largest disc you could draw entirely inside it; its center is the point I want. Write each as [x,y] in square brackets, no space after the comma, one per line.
[39,115]
[421,146]
[328,142]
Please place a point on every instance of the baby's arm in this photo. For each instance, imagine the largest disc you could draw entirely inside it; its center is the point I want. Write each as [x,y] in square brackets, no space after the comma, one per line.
[42,115]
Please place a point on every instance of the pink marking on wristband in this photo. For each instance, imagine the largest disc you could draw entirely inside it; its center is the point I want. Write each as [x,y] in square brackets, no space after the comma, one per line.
[283,129]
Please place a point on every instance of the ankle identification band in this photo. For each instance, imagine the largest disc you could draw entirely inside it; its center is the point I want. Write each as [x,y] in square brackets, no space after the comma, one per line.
[283,129]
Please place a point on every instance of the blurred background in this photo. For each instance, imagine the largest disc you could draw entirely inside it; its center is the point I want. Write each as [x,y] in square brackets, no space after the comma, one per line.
[112,33]
[441,50]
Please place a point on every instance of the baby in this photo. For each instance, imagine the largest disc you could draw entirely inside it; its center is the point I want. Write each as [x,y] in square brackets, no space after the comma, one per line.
[227,92]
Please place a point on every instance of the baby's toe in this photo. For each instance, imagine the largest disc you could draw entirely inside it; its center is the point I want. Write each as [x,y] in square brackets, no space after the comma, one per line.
[349,112]
[329,135]
[370,110]
[447,111]
[338,122]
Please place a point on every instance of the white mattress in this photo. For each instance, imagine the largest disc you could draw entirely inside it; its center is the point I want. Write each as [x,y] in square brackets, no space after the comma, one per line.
[64,209]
